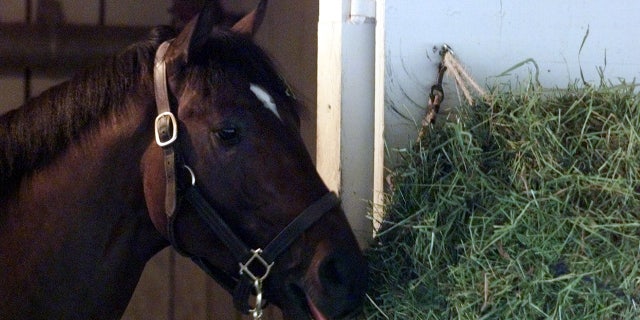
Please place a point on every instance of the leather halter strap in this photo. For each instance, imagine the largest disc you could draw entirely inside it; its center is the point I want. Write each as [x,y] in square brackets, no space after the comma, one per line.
[247,257]
[166,127]
[242,285]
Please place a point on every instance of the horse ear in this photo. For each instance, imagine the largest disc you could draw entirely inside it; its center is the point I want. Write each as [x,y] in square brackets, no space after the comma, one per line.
[197,31]
[194,35]
[250,23]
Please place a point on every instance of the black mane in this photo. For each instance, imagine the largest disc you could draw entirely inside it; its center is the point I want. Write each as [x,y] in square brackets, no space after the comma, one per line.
[31,136]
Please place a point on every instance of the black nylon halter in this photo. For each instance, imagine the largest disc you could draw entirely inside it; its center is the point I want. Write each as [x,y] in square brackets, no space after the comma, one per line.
[241,285]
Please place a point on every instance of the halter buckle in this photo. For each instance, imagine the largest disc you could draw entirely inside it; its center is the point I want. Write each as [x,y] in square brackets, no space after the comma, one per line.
[257,280]
[166,129]
[256,255]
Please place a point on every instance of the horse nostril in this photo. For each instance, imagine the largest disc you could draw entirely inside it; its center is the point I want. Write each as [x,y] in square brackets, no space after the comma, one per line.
[343,278]
[331,272]
[342,273]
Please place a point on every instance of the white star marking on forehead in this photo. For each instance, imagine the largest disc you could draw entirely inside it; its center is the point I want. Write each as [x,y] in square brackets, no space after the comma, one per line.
[265,98]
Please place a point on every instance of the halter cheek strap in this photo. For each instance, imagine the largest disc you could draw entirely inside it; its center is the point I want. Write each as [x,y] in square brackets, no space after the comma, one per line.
[166,128]
[248,279]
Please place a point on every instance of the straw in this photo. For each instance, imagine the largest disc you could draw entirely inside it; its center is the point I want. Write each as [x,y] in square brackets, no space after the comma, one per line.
[528,207]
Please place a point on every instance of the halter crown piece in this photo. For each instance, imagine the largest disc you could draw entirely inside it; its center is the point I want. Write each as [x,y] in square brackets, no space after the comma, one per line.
[242,284]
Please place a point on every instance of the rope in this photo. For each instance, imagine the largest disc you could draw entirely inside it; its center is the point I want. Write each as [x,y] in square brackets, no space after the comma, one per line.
[462,78]
[464,82]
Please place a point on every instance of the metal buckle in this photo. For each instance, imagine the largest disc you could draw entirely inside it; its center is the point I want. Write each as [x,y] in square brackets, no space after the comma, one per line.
[173,127]
[256,312]
[244,268]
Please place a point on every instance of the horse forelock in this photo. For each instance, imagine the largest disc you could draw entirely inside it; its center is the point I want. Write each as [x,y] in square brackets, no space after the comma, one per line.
[34,134]
[227,55]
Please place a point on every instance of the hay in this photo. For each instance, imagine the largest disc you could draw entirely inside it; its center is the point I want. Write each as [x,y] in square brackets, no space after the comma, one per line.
[528,207]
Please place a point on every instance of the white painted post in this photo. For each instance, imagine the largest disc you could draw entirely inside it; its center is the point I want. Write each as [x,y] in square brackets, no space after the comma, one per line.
[345,116]
[379,123]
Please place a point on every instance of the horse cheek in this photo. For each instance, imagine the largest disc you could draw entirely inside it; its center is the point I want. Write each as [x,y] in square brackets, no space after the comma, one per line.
[153,183]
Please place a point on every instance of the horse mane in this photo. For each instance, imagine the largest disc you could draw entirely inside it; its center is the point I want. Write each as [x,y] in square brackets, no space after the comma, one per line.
[34,134]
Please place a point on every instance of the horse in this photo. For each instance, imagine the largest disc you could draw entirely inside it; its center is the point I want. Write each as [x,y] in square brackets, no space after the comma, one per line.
[190,139]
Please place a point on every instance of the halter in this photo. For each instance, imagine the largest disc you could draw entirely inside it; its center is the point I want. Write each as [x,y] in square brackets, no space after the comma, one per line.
[246,281]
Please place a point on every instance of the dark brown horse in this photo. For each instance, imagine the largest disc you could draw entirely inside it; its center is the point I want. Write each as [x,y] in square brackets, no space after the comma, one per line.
[93,183]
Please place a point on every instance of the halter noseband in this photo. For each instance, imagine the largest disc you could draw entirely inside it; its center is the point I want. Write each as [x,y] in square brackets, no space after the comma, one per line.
[166,133]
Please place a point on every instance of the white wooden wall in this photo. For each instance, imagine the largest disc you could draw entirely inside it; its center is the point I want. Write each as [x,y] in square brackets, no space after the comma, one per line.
[491,36]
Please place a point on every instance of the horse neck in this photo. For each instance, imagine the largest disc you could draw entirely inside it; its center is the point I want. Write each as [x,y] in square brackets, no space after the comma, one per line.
[75,239]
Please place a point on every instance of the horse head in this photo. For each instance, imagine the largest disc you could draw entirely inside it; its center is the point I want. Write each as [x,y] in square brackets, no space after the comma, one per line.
[238,149]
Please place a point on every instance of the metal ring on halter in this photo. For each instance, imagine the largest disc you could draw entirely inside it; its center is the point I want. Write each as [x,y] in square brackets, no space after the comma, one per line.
[193,175]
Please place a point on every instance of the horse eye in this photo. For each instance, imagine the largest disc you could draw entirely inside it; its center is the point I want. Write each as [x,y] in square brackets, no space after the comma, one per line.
[228,136]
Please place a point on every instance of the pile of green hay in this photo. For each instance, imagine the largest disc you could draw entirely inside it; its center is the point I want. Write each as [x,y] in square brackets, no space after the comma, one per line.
[528,207]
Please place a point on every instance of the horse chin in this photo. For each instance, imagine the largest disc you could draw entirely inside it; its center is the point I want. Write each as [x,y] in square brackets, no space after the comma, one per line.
[315,312]
[299,301]
[301,306]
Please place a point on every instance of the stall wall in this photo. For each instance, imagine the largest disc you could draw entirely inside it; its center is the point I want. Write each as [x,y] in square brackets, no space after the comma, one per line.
[126,12]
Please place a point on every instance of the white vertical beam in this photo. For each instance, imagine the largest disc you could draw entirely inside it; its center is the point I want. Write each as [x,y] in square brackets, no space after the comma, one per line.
[379,98]
[329,100]
[345,142]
